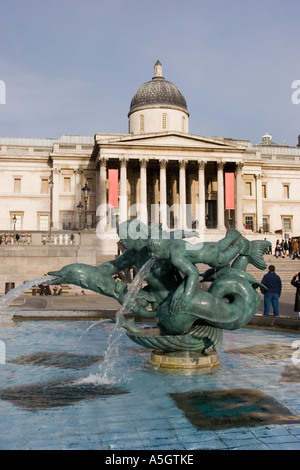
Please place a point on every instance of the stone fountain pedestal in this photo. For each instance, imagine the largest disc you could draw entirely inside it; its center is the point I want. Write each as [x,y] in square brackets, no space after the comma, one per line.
[184,359]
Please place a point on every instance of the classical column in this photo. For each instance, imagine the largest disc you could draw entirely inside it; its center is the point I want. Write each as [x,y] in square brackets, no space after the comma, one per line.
[102,182]
[239,197]
[102,209]
[55,200]
[201,197]
[182,193]
[123,189]
[220,202]
[163,192]
[143,199]
[259,215]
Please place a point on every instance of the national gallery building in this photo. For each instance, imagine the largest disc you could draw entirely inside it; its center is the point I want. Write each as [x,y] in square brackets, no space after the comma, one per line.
[52,190]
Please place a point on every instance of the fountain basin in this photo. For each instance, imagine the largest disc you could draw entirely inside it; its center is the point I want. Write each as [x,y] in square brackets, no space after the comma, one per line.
[184,360]
[143,407]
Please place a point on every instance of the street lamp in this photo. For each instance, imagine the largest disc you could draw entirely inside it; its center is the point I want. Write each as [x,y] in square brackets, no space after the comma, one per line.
[51,184]
[14,219]
[85,191]
[79,207]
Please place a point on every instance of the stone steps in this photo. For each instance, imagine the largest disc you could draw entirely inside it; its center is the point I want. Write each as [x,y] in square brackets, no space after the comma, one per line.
[284,267]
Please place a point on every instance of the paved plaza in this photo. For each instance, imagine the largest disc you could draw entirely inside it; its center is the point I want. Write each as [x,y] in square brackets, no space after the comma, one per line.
[87,301]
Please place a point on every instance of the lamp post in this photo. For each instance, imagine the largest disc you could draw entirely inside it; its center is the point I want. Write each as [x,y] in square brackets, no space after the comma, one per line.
[14,219]
[79,207]
[51,184]
[85,191]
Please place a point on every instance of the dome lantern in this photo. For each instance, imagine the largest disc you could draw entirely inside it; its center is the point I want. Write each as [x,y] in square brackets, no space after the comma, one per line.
[159,105]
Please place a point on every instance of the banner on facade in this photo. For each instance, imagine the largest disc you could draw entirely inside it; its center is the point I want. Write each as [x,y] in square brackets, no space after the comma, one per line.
[229,190]
[113,199]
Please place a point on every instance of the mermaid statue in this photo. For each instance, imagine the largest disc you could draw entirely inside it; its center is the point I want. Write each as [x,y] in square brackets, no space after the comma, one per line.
[188,318]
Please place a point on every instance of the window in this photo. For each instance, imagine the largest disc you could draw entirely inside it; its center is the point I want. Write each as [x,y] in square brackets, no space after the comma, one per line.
[67,184]
[249,222]
[17,185]
[286,191]
[248,188]
[44,222]
[141,123]
[164,121]
[264,190]
[67,221]
[44,186]
[183,124]
[287,223]
[265,227]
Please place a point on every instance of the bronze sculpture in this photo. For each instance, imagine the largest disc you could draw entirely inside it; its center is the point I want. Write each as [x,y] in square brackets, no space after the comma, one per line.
[187,318]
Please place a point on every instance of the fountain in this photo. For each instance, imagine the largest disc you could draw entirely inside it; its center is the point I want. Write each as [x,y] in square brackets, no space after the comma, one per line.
[189,321]
[55,395]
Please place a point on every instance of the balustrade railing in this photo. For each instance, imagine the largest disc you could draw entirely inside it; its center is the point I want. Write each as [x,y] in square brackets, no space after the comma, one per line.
[12,238]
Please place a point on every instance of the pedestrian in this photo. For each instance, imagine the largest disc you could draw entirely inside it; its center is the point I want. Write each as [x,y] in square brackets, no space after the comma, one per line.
[290,247]
[295,246]
[296,283]
[272,291]
[286,247]
[282,248]
[277,249]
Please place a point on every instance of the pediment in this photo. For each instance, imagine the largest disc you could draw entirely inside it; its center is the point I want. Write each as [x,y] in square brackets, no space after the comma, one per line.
[176,139]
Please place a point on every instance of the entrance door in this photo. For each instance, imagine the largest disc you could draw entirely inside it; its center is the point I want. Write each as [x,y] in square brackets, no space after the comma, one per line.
[211,214]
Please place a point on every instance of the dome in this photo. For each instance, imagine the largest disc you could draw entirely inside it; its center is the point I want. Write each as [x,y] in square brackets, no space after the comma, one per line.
[158,93]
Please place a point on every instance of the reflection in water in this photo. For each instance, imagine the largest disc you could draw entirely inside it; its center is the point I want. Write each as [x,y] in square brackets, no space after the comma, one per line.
[55,394]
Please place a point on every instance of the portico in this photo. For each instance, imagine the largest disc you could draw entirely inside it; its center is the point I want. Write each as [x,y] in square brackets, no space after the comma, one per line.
[179,187]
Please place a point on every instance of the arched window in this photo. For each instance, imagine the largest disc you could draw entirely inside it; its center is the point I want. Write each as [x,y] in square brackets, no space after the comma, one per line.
[142,123]
[164,121]
[183,124]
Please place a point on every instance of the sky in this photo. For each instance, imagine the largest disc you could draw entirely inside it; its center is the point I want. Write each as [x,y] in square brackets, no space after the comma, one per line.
[73,66]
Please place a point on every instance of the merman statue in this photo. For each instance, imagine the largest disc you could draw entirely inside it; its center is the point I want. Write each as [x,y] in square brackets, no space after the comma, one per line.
[188,318]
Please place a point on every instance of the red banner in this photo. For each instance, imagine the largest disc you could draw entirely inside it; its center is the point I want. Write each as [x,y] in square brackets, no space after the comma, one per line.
[113,193]
[229,190]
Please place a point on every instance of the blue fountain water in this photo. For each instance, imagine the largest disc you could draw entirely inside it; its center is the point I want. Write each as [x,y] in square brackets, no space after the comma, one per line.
[54,393]
[134,410]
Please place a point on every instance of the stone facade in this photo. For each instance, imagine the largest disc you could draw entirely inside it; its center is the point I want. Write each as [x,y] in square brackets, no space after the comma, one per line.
[164,174]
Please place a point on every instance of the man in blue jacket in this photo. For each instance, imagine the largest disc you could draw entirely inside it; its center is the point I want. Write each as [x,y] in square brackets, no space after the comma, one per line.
[273,285]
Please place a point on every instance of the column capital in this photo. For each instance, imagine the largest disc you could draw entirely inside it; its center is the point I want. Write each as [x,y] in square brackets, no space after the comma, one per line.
[183,163]
[103,161]
[143,162]
[220,165]
[257,176]
[201,164]
[123,162]
[78,171]
[239,166]
[163,163]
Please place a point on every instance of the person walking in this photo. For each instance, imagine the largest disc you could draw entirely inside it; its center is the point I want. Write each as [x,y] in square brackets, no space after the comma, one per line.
[296,283]
[277,249]
[272,291]
[290,248]
[295,247]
